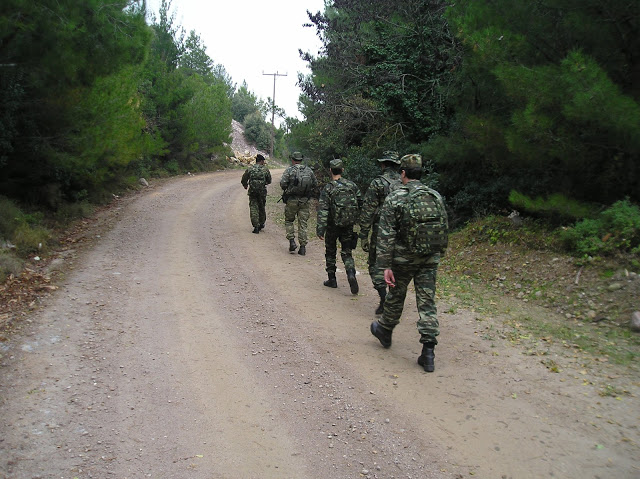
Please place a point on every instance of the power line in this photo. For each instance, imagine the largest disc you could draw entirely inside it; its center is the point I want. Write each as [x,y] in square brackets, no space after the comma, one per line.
[273,105]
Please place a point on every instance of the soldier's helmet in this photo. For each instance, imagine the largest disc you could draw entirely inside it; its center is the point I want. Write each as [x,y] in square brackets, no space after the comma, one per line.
[296,156]
[411,161]
[391,156]
[336,163]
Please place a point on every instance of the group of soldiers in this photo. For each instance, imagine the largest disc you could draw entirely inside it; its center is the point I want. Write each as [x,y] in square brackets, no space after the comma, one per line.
[400,247]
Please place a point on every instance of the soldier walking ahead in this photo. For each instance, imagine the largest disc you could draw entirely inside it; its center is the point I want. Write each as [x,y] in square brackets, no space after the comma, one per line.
[380,187]
[338,210]
[256,178]
[298,182]
[413,233]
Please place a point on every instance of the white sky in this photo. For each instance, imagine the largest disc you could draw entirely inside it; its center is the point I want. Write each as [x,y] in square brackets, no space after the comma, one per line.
[252,37]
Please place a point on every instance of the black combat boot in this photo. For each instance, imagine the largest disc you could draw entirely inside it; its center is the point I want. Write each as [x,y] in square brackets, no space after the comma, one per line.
[427,358]
[382,292]
[261,226]
[331,282]
[292,245]
[256,230]
[303,250]
[353,282]
[383,334]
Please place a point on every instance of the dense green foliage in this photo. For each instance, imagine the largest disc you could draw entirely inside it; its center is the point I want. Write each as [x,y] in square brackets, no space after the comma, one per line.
[556,207]
[615,229]
[67,76]
[243,103]
[257,131]
[92,96]
[537,98]
[548,101]
[187,100]
[383,79]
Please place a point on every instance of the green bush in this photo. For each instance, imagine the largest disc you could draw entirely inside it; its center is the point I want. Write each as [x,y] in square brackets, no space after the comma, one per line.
[360,169]
[172,167]
[31,239]
[67,212]
[554,206]
[9,264]
[257,131]
[494,230]
[10,217]
[615,229]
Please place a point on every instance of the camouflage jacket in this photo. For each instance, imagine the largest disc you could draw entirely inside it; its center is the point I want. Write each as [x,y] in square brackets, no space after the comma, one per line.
[374,199]
[324,204]
[289,176]
[254,171]
[391,247]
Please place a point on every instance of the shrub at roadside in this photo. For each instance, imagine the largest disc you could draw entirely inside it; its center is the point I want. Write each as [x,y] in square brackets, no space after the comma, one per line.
[616,229]
[30,239]
[533,234]
[10,216]
[20,235]
[9,265]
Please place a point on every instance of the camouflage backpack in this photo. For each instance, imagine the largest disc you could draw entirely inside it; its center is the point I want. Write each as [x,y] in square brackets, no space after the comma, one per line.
[257,178]
[426,223]
[301,183]
[390,185]
[343,204]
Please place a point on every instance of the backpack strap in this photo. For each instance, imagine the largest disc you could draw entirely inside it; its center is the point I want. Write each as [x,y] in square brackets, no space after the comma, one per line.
[387,185]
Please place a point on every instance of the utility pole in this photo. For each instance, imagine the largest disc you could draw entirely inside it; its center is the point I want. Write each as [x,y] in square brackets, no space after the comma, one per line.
[273,106]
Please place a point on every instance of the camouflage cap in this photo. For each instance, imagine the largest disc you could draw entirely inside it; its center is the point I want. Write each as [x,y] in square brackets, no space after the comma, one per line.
[336,163]
[411,161]
[296,156]
[259,158]
[391,156]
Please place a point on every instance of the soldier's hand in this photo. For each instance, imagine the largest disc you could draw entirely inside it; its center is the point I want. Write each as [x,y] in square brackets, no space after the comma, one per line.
[389,278]
[364,244]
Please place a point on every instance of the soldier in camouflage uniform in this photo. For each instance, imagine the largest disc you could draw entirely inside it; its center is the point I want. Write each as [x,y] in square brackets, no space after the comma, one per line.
[296,204]
[255,179]
[328,231]
[401,265]
[387,181]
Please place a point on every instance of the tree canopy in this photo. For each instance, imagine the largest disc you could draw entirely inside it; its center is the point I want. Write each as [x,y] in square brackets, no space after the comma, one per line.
[499,96]
[505,99]
[90,94]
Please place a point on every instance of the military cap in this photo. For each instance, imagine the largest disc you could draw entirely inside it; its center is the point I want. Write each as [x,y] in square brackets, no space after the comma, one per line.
[296,156]
[391,156]
[336,163]
[259,157]
[411,161]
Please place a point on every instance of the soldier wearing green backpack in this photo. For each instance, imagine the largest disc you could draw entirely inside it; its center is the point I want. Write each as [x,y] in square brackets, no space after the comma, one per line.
[338,210]
[298,183]
[255,179]
[379,188]
[412,234]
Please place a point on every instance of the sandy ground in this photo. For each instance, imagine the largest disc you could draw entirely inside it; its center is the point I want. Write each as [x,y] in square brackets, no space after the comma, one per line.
[181,345]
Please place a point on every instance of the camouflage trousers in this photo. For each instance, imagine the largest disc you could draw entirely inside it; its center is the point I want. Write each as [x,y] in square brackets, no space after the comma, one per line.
[257,211]
[375,273]
[423,274]
[297,208]
[331,237]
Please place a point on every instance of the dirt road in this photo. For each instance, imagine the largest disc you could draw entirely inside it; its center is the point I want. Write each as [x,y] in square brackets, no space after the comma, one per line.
[180,345]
